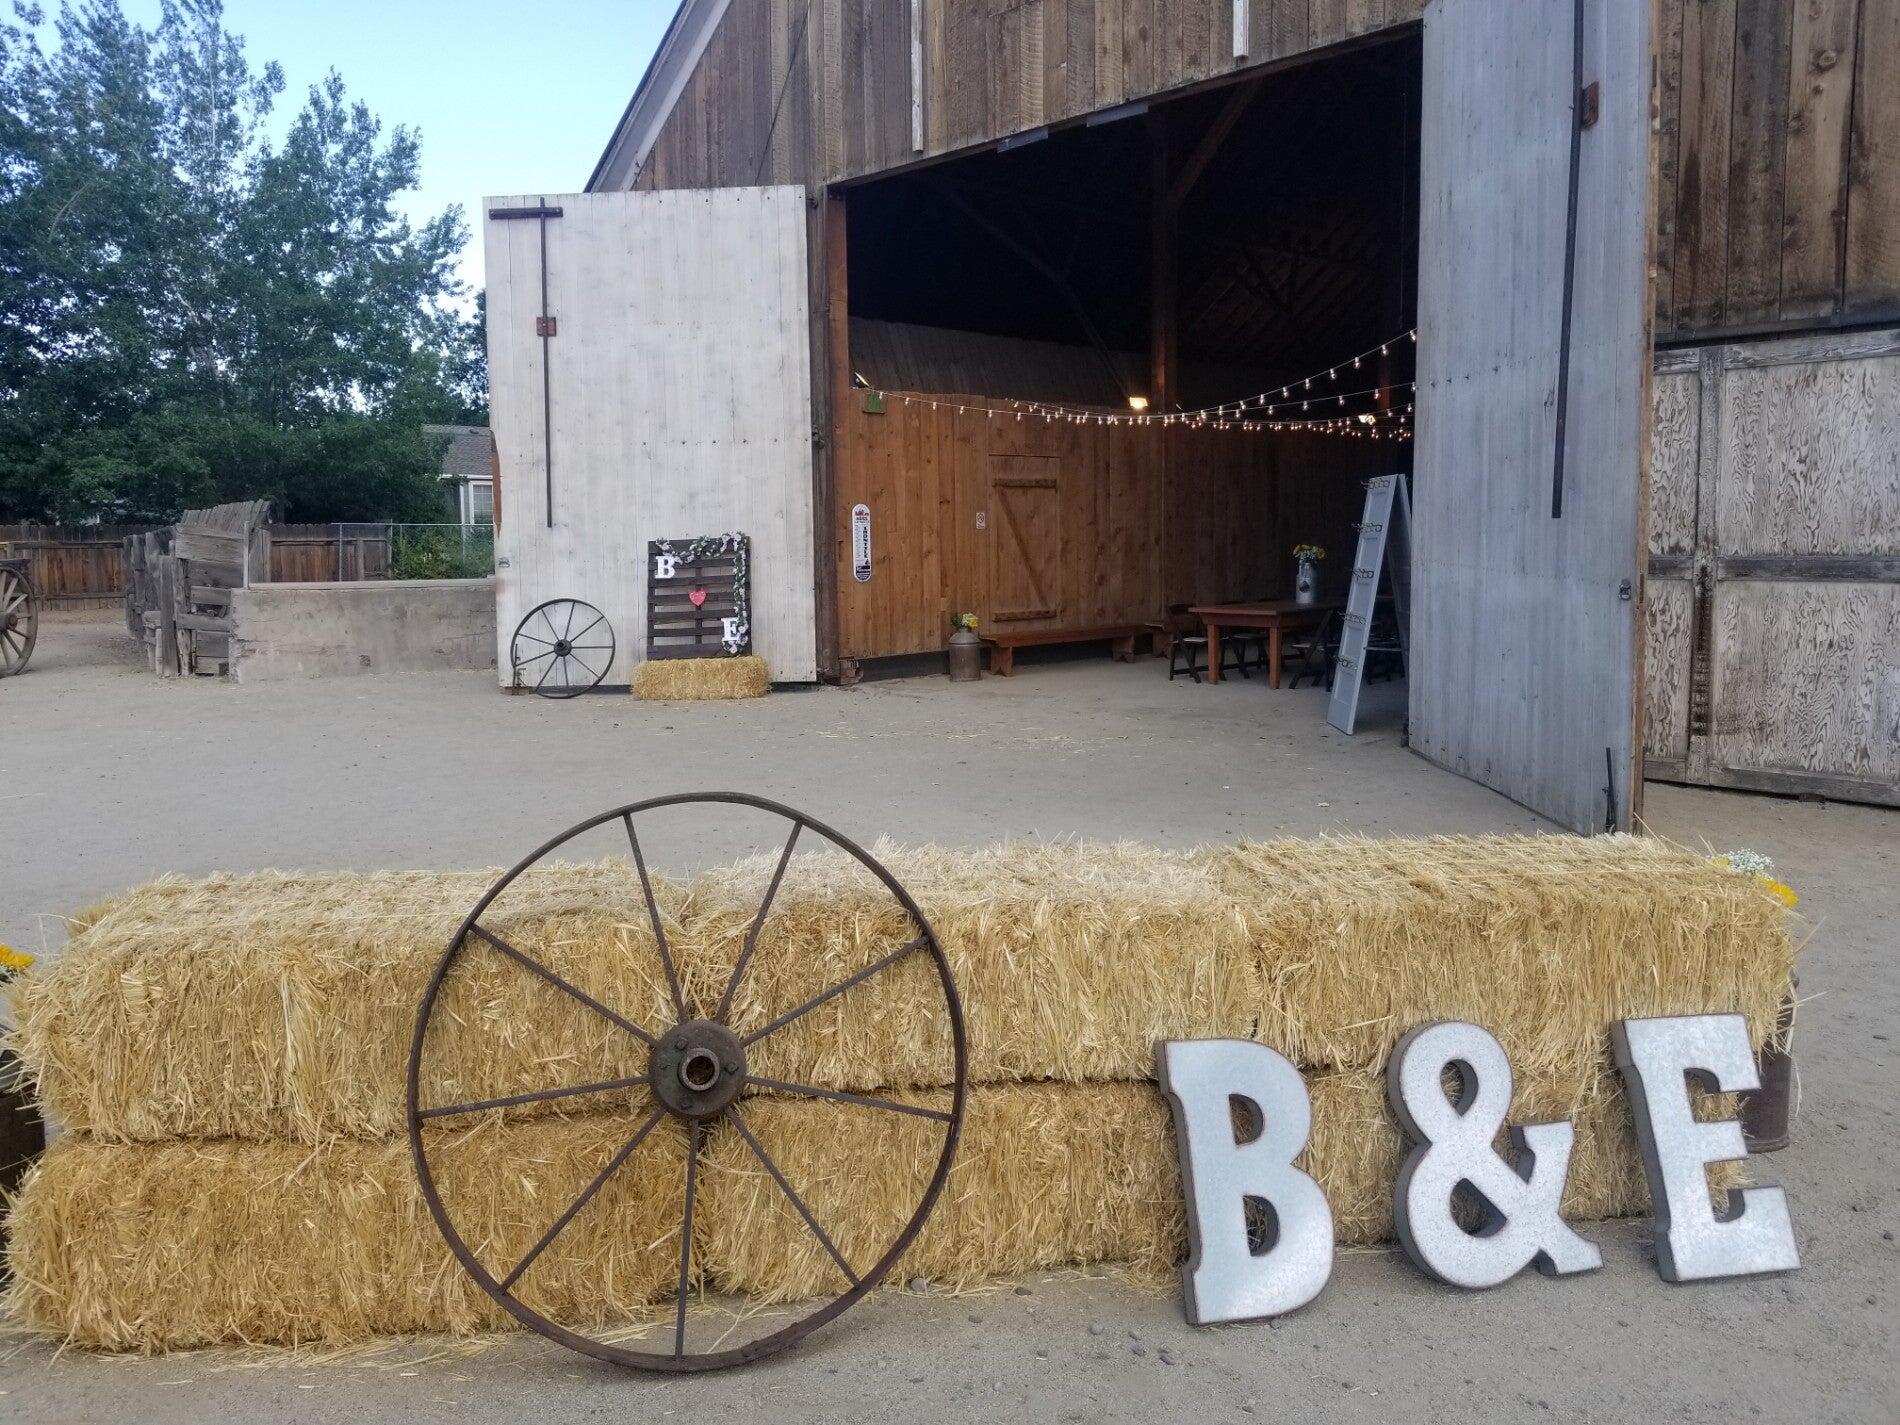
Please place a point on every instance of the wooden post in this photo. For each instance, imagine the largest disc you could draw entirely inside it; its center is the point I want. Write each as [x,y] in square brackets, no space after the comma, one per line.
[1162,335]
[831,396]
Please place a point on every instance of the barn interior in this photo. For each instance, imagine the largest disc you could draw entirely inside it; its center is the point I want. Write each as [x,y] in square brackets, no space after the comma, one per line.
[1171,259]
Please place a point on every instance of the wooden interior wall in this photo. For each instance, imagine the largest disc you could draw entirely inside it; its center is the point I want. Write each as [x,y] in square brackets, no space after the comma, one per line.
[810,91]
[1778,164]
[1138,519]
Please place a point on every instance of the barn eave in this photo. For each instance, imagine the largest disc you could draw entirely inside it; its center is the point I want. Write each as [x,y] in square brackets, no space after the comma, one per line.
[685,41]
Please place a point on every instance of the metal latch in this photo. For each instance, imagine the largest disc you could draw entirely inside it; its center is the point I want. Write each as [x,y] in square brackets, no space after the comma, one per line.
[1625,590]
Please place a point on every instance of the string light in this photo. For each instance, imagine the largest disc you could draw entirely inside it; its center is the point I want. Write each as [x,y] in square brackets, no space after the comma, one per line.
[1388,424]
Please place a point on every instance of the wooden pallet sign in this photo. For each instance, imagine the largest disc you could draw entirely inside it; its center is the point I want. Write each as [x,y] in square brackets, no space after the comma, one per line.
[699,597]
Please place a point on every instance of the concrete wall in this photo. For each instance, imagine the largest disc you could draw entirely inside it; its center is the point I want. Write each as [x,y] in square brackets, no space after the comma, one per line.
[285,631]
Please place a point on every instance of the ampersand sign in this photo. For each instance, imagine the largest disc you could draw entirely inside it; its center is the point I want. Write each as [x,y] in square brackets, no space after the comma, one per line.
[1522,1221]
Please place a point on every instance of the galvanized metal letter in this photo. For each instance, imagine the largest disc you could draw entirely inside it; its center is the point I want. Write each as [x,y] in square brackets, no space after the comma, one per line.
[1225,1278]
[1658,1057]
[1522,1201]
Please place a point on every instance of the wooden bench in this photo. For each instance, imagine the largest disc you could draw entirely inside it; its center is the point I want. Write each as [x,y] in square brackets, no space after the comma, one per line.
[1120,638]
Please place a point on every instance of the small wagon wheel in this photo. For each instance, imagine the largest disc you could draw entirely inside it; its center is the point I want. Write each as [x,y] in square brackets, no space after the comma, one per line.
[563,648]
[697,1073]
[19,619]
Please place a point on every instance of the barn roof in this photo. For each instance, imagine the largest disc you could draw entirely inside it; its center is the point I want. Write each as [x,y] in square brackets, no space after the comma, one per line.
[672,65]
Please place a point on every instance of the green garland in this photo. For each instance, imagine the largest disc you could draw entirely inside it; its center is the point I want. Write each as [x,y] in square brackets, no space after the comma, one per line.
[711,546]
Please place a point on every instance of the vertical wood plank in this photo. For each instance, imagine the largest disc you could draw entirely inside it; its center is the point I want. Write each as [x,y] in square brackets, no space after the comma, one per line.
[1820,107]
[1758,153]
[1701,270]
[1872,275]
[1668,154]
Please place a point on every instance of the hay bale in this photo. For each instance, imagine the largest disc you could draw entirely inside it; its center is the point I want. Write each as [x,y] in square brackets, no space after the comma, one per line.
[161,1246]
[281,1006]
[701,679]
[1543,940]
[155,1247]
[1071,961]
[1052,1175]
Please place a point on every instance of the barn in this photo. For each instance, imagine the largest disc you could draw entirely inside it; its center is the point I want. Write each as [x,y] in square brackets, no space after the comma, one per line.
[1069,313]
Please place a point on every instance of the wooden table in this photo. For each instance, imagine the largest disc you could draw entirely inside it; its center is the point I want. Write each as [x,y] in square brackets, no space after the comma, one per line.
[1275,616]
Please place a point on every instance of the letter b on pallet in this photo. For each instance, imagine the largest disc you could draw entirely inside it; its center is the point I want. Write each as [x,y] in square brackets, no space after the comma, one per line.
[1211,1082]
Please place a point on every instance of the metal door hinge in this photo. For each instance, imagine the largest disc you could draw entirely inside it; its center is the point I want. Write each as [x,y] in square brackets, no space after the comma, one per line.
[1592,101]
[1625,591]
[547,326]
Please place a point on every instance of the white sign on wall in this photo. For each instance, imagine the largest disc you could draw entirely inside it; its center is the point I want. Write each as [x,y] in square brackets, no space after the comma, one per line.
[861,543]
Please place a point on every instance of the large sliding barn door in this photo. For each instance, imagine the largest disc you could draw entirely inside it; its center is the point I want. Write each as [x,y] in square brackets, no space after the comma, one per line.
[1524,670]
[650,378]
[1773,653]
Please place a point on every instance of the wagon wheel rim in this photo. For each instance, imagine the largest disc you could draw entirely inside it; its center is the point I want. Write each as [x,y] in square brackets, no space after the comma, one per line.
[19,621]
[671,1050]
[561,649]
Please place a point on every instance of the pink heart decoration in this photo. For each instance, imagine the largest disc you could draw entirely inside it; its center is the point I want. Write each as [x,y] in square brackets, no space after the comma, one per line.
[698,596]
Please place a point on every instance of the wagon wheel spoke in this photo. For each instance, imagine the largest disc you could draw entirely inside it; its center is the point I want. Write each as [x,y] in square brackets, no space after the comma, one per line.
[809,1005]
[536,659]
[590,627]
[758,923]
[530,963]
[572,610]
[547,619]
[686,1242]
[544,675]
[862,1100]
[653,914]
[587,1196]
[539,1096]
[765,1159]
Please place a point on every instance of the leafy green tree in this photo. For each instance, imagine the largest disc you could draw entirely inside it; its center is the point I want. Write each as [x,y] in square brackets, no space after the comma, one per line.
[191,312]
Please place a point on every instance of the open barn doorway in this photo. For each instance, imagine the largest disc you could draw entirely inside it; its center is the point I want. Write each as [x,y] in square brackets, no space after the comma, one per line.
[1456,217]
[1101,375]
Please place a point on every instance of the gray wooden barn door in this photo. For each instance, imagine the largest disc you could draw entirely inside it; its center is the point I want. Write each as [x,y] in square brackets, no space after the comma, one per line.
[670,398]
[1525,655]
[1773,619]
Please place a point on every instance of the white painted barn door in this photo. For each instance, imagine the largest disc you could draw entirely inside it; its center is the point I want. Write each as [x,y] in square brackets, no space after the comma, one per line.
[677,403]
[1526,626]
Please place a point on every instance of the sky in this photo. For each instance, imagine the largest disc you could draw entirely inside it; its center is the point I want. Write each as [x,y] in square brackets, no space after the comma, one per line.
[510,96]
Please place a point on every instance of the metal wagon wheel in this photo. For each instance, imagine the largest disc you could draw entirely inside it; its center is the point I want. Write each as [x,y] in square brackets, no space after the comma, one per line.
[562,648]
[19,619]
[698,1073]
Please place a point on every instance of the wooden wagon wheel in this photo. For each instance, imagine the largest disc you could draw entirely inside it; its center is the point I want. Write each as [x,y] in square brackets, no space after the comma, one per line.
[19,619]
[561,649]
[697,1073]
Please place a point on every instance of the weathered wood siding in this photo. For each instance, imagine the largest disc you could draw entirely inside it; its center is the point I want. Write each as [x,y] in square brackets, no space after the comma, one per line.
[1773,654]
[1779,163]
[1525,642]
[1778,138]
[798,91]
[1104,525]
[681,399]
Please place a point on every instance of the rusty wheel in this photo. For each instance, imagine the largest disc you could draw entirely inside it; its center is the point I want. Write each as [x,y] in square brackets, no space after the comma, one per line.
[19,620]
[561,649]
[698,1074]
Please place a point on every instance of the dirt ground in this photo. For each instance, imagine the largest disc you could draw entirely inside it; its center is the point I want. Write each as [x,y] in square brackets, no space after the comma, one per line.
[108,776]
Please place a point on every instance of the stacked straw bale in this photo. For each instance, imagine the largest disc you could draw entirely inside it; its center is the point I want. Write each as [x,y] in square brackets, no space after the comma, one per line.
[702,679]
[232,1054]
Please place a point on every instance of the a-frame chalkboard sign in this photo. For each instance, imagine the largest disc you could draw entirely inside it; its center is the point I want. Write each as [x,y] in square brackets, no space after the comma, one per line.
[699,597]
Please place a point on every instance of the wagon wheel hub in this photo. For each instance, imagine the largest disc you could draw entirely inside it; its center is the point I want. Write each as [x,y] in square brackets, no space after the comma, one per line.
[697,1069]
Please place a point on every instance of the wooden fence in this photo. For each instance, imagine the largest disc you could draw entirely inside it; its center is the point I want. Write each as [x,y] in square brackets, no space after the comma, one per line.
[84,566]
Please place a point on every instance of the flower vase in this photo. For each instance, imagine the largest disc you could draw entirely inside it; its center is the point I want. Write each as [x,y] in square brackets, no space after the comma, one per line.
[1306,582]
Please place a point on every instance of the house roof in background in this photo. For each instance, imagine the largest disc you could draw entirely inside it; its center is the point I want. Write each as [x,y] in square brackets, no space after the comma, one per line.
[470,454]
